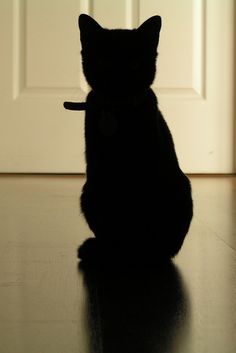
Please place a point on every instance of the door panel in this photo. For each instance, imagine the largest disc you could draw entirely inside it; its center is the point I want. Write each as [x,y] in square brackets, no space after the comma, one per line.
[41,67]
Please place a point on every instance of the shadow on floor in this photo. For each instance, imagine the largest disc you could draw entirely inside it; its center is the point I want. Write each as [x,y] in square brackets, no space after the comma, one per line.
[136,309]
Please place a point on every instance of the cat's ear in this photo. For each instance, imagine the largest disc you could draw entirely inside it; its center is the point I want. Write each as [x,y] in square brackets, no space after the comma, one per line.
[89,28]
[150,30]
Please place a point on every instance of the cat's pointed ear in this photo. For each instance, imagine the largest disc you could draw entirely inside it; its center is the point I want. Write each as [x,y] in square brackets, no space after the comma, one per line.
[150,29]
[89,28]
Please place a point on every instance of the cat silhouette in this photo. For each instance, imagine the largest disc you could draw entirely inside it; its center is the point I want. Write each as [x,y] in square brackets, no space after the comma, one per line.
[136,199]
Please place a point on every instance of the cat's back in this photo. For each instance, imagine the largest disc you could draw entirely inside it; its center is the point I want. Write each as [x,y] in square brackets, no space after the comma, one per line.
[127,134]
[127,123]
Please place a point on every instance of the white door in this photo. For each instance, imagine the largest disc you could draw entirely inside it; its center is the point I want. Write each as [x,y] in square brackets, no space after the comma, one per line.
[40,68]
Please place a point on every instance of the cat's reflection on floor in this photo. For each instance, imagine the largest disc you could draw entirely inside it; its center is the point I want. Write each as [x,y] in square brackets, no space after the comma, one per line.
[137,308]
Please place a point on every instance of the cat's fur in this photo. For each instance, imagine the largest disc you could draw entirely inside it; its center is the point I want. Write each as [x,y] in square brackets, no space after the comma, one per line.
[136,199]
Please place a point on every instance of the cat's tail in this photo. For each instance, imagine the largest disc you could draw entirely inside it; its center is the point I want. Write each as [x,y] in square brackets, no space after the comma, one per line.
[97,252]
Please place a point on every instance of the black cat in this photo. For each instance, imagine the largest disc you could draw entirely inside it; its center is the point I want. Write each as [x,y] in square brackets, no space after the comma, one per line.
[136,199]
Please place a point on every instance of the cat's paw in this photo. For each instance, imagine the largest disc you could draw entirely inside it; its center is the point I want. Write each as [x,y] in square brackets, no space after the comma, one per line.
[88,251]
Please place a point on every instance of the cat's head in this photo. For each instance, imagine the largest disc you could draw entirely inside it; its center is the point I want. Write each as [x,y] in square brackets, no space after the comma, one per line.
[119,61]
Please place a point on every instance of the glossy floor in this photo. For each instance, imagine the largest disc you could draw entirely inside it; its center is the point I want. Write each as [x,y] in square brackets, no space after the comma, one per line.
[48,305]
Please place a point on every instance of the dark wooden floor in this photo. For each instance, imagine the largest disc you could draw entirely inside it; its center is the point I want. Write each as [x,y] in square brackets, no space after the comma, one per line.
[48,305]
